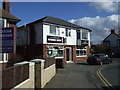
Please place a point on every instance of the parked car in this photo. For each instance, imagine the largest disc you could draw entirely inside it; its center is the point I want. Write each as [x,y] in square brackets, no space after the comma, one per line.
[99,59]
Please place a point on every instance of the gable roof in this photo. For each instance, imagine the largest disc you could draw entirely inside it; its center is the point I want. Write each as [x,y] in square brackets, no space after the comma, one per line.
[7,15]
[57,21]
[111,34]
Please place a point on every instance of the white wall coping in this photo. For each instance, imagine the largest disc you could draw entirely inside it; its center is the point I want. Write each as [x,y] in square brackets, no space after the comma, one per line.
[21,63]
[38,60]
[31,63]
[49,67]
[17,86]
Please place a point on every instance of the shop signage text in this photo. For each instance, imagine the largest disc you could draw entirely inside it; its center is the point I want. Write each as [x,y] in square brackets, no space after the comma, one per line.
[7,40]
[55,39]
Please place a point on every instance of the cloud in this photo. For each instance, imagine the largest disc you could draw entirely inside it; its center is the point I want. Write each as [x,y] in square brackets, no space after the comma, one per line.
[108,6]
[100,26]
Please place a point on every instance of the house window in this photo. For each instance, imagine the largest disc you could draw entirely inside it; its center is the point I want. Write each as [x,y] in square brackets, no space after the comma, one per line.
[52,30]
[55,51]
[107,43]
[68,32]
[57,31]
[81,52]
[118,42]
[78,35]
[84,34]
[1,22]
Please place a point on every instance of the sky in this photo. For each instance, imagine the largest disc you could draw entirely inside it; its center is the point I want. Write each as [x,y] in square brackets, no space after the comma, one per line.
[100,17]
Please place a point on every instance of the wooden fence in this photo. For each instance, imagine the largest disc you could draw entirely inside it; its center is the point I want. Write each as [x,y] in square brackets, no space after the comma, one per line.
[49,61]
[14,75]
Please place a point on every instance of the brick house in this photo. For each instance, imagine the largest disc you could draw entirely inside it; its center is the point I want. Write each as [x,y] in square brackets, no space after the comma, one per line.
[7,20]
[112,41]
[54,37]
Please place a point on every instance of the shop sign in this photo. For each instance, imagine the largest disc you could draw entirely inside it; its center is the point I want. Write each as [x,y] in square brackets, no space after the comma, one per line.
[84,42]
[55,39]
[7,40]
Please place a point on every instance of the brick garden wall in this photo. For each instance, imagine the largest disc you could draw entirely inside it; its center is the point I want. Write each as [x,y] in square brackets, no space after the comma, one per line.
[14,75]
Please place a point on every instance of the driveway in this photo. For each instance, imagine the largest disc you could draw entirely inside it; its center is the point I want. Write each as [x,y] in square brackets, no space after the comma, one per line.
[80,75]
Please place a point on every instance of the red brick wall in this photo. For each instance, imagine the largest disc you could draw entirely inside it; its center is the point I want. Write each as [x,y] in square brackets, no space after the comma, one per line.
[3,65]
[81,59]
[14,75]
[40,51]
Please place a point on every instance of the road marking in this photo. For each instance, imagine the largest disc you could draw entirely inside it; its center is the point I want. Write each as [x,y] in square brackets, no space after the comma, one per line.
[102,78]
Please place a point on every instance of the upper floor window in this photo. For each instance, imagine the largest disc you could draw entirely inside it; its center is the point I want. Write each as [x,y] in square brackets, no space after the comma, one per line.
[118,42]
[1,22]
[54,30]
[84,34]
[78,35]
[68,32]
[107,43]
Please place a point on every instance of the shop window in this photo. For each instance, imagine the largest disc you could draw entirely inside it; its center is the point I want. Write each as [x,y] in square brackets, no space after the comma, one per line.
[81,52]
[49,53]
[55,51]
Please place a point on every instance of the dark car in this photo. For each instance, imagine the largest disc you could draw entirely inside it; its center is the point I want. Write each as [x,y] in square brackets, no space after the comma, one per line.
[99,59]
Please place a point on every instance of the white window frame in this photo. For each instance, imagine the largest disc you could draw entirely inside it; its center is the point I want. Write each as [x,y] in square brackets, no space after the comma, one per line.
[81,32]
[84,49]
[68,32]
[57,30]
[4,56]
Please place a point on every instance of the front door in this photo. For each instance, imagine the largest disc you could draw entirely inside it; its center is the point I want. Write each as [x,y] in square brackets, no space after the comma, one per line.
[68,55]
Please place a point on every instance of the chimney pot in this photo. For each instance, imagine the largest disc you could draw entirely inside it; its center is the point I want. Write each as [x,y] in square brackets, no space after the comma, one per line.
[6,5]
[113,31]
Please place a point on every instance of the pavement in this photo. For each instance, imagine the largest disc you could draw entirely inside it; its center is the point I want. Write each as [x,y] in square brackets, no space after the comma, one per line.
[80,75]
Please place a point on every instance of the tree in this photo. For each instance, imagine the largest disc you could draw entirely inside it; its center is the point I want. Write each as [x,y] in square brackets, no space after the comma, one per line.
[99,48]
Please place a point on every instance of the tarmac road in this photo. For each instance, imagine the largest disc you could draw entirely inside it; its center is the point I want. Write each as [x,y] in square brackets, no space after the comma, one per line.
[80,75]
[112,73]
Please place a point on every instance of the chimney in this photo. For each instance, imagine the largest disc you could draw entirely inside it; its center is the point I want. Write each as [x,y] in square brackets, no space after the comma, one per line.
[113,31]
[6,5]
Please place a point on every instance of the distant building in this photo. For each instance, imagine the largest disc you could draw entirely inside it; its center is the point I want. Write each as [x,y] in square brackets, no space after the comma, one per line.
[7,20]
[54,37]
[112,41]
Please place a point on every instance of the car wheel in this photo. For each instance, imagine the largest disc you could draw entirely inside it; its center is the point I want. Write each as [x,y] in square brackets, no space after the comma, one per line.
[101,63]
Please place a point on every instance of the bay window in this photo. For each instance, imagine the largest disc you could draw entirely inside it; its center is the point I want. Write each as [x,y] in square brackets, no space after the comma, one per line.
[84,34]
[81,52]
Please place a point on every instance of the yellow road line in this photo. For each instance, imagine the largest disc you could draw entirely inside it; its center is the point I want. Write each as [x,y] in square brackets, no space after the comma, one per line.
[102,78]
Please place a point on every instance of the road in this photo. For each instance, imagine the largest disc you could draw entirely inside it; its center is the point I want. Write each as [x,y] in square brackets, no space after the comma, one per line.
[79,75]
[112,73]
[82,75]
